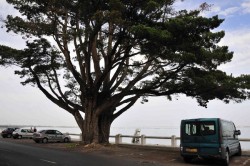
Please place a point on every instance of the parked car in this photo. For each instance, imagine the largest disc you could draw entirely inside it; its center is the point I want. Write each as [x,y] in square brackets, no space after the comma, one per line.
[22,133]
[7,133]
[209,138]
[46,136]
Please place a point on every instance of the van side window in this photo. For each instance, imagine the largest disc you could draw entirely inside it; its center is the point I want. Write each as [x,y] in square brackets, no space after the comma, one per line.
[207,128]
[228,129]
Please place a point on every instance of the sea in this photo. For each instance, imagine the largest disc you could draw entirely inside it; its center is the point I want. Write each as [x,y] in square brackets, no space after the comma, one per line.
[158,131]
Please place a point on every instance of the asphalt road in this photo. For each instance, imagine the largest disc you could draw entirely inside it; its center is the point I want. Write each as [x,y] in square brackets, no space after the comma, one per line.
[12,154]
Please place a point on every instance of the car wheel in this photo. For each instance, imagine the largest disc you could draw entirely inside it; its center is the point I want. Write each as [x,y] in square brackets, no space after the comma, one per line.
[226,160]
[19,137]
[239,151]
[66,140]
[45,140]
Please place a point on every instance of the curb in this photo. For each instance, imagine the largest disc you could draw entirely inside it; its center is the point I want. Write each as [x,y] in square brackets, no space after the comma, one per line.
[150,147]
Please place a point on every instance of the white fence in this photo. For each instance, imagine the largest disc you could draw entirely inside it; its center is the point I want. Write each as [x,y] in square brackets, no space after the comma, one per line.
[142,139]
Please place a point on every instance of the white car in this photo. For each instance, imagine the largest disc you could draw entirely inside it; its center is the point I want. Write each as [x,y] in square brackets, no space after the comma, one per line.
[22,133]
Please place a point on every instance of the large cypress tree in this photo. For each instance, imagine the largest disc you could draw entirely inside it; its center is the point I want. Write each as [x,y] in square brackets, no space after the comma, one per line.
[108,54]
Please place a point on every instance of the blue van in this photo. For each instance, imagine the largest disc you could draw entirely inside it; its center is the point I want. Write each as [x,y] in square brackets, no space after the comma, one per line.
[209,138]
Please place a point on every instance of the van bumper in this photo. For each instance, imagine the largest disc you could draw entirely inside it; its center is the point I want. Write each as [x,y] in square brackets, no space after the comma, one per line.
[202,152]
[218,156]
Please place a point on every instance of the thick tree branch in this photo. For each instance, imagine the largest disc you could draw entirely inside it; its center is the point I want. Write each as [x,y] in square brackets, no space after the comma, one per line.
[49,96]
[131,102]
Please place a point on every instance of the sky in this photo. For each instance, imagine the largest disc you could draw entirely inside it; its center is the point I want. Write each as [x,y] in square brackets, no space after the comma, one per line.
[26,105]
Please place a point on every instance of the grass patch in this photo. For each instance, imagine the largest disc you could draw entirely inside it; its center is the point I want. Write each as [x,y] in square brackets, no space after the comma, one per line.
[72,145]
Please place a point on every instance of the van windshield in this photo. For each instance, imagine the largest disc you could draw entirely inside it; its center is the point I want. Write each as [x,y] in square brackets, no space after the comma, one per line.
[199,128]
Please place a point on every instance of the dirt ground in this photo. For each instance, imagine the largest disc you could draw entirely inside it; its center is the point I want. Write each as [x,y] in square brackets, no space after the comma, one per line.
[142,155]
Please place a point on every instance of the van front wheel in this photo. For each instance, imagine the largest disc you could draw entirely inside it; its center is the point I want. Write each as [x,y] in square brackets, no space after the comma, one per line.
[226,160]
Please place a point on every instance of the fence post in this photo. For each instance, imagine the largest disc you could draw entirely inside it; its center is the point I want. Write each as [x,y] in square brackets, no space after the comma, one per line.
[80,136]
[143,139]
[118,139]
[173,141]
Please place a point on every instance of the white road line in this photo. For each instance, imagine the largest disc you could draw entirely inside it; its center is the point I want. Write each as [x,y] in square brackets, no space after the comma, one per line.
[171,160]
[52,162]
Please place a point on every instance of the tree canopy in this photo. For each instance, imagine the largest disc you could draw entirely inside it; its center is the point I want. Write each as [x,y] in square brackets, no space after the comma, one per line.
[100,57]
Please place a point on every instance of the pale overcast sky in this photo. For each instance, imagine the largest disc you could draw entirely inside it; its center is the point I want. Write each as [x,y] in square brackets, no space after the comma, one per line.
[21,105]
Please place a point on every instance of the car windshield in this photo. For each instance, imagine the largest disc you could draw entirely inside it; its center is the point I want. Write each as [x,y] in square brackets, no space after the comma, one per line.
[199,128]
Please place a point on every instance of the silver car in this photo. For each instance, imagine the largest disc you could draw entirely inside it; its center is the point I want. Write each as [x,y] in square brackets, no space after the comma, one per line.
[22,133]
[46,136]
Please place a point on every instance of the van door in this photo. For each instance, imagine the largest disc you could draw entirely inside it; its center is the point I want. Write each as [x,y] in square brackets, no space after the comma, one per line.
[189,136]
[209,137]
[200,136]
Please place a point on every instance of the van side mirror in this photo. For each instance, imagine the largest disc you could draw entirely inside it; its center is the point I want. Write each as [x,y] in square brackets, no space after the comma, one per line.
[237,132]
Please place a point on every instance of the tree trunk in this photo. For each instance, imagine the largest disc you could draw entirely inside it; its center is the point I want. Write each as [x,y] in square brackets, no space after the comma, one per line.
[105,121]
[95,129]
[90,129]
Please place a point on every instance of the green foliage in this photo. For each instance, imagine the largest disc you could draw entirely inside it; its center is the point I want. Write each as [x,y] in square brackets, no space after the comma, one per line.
[8,55]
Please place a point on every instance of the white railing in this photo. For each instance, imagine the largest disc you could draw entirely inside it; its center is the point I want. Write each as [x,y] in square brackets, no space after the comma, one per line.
[142,139]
